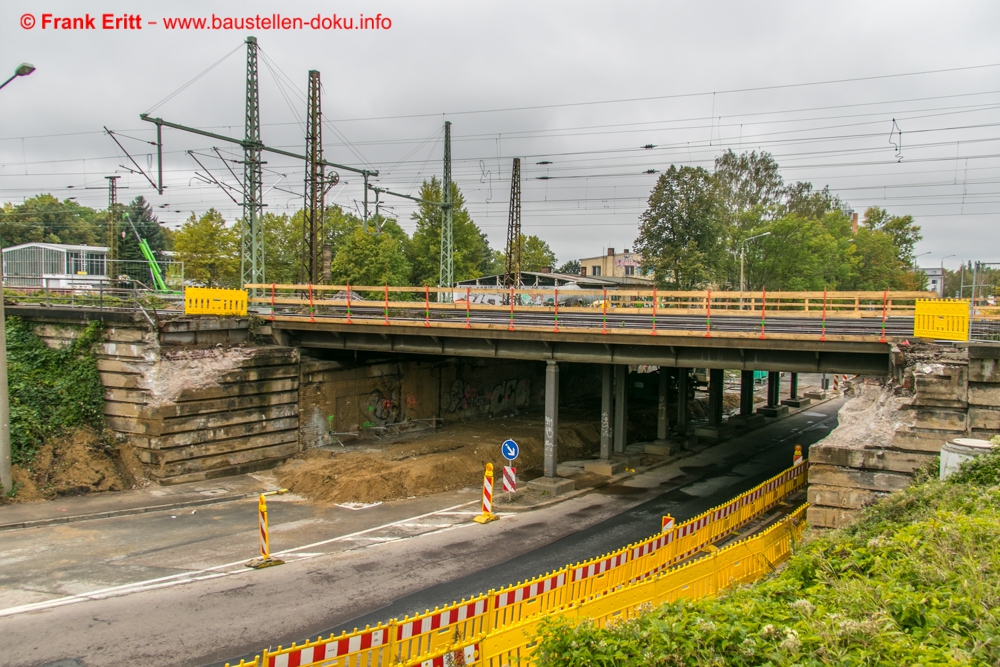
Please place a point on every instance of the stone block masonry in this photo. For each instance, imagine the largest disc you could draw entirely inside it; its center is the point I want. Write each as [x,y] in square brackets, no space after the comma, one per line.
[888,431]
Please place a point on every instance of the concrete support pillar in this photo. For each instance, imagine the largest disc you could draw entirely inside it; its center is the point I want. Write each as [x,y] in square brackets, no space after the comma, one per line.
[773,389]
[746,393]
[551,417]
[716,382]
[621,407]
[794,386]
[682,400]
[607,409]
[661,406]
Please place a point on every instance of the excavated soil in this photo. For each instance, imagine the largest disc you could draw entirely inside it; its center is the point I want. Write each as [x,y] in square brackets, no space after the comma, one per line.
[82,461]
[451,458]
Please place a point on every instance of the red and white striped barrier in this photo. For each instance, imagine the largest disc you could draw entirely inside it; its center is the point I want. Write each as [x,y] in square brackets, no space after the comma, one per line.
[667,524]
[440,620]
[487,514]
[797,458]
[531,590]
[600,567]
[509,479]
[329,650]
[469,655]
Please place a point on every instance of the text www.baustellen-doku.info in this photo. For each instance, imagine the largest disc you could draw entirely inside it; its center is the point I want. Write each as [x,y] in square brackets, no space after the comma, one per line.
[56,22]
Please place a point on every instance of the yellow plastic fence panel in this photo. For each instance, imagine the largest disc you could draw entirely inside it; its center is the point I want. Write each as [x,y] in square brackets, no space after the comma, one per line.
[941,319]
[429,633]
[740,562]
[371,646]
[210,301]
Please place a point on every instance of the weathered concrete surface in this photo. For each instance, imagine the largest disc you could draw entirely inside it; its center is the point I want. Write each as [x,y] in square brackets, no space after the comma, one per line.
[954,391]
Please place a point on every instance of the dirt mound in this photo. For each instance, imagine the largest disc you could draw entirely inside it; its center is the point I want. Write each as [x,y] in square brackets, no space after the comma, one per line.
[451,458]
[82,461]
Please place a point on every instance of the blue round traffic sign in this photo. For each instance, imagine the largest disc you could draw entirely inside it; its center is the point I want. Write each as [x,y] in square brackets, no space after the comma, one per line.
[509,450]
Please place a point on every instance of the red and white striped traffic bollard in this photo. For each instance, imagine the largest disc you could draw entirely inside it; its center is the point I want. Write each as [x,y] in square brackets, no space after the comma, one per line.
[265,559]
[797,458]
[667,524]
[487,514]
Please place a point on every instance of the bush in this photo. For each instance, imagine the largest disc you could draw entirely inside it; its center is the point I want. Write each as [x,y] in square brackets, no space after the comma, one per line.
[915,581]
[50,389]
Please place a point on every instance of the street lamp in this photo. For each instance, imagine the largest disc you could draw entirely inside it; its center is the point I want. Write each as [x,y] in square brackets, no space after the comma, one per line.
[743,252]
[24,69]
[920,255]
[6,477]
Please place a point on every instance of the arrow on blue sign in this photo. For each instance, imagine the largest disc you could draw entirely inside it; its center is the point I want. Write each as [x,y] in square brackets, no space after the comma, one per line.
[509,450]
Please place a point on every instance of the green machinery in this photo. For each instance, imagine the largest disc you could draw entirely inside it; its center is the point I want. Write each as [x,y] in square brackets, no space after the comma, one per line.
[147,253]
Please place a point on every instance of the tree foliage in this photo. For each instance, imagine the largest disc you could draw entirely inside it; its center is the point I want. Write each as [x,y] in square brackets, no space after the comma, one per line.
[210,250]
[698,226]
[45,219]
[473,256]
[679,234]
[536,255]
[365,258]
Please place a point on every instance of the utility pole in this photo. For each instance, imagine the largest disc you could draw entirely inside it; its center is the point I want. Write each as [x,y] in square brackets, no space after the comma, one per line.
[315,184]
[512,275]
[112,236]
[447,277]
[252,243]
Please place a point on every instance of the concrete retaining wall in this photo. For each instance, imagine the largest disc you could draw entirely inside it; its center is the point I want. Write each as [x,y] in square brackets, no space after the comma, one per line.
[955,393]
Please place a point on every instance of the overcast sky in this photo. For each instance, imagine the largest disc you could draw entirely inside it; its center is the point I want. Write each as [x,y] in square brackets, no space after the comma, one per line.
[583,86]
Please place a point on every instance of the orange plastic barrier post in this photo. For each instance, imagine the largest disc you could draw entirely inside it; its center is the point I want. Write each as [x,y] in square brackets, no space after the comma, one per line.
[487,514]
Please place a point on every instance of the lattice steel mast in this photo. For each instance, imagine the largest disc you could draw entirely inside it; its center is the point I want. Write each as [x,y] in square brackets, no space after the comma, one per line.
[252,243]
[447,277]
[112,235]
[512,275]
[312,221]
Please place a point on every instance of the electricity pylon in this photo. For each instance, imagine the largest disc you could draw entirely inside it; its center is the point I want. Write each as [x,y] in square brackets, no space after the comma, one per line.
[512,275]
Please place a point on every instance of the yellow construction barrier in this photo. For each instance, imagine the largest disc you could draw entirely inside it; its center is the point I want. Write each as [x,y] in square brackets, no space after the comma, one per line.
[460,626]
[941,319]
[743,561]
[210,301]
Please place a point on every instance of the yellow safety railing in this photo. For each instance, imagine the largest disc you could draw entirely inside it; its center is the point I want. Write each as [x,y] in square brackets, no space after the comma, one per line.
[459,626]
[741,562]
[211,301]
[941,319]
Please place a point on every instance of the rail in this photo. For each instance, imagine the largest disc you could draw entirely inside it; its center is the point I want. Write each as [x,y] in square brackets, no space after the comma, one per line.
[461,625]
[133,296]
[633,311]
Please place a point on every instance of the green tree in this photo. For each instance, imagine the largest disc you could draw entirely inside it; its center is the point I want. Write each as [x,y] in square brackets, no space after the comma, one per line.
[802,200]
[905,234]
[145,224]
[282,247]
[571,267]
[536,254]
[749,182]
[44,218]
[679,233]
[472,253]
[210,250]
[366,258]
[798,254]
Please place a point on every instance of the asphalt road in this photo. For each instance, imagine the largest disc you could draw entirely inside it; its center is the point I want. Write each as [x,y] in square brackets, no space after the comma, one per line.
[156,590]
[704,482]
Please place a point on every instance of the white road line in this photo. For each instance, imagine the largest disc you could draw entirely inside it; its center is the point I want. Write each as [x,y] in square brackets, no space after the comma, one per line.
[213,572]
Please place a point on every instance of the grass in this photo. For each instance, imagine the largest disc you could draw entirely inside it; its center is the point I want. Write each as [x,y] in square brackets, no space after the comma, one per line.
[914,581]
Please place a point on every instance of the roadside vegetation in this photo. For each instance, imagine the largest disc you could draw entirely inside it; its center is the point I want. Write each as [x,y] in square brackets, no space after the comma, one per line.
[914,581]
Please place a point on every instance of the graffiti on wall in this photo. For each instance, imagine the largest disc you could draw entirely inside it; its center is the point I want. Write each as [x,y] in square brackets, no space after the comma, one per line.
[504,397]
[383,409]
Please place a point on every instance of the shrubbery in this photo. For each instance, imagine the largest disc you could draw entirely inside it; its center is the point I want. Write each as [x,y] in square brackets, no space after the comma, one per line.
[916,581]
[50,389]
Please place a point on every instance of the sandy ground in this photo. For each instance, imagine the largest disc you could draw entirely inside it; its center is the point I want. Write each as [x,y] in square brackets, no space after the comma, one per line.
[82,461]
[455,456]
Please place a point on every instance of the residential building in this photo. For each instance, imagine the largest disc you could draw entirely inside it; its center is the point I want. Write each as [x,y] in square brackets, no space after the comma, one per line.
[615,265]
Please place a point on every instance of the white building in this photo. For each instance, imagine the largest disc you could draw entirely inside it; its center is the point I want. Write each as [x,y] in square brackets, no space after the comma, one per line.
[55,266]
[935,279]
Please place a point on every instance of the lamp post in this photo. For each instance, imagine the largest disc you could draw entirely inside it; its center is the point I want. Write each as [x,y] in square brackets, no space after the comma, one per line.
[743,252]
[6,477]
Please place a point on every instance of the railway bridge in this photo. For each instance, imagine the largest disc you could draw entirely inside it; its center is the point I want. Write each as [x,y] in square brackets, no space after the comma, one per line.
[824,332]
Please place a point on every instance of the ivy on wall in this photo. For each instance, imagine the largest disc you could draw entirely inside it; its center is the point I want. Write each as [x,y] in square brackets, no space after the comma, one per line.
[51,389]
